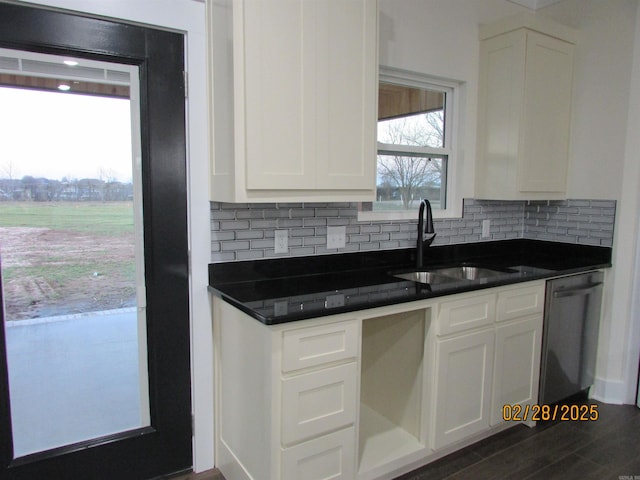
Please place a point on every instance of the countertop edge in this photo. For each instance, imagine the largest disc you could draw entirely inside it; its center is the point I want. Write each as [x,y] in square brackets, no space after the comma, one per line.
[222,289]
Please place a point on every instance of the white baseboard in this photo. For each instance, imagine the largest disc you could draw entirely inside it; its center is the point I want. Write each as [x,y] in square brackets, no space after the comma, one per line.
[229,465]
[610,391]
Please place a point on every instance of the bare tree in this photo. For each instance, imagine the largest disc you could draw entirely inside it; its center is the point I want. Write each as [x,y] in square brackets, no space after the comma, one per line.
[110,179]
[412,175]
[8,170]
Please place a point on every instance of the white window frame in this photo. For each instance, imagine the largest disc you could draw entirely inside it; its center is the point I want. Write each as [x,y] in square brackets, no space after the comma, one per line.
[452,90]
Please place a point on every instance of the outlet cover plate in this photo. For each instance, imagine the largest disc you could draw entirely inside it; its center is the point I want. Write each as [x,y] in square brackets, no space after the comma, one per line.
[336,237]
[281,241]
[486,228]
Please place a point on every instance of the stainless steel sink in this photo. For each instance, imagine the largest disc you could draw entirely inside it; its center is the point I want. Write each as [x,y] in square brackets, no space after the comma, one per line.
[467,272]
[452,274]
[431,278]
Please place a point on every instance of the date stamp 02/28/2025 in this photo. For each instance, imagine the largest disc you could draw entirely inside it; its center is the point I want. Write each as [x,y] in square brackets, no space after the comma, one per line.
[536,413]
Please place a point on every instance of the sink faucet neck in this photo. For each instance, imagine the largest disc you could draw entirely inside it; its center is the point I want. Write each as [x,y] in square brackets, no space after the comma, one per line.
[425,228]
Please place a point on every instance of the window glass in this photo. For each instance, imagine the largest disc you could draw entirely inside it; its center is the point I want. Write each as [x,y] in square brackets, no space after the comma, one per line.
[405,179]
[71,250]
[413,145]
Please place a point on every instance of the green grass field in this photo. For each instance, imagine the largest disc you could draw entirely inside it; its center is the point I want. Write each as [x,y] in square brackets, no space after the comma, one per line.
[62,257]
[104,218]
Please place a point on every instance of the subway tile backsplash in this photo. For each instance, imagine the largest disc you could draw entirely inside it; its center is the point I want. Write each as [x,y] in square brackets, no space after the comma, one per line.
[246,231]
[587,222]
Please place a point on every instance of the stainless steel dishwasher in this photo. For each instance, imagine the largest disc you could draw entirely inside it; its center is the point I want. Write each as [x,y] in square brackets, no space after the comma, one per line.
[570,335]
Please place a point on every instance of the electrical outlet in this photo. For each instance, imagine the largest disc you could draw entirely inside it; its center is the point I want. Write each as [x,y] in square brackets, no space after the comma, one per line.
[334,301]
[280,307]
[486,228]
[281,241]
[336,237]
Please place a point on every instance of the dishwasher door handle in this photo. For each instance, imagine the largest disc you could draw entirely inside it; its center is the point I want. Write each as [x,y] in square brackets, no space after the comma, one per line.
[576,291]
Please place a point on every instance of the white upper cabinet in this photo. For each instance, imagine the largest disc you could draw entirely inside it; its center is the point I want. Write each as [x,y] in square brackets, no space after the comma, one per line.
[525,90]
[293,99]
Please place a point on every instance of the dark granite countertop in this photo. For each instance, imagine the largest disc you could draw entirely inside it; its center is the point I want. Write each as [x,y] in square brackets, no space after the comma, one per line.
[288,289]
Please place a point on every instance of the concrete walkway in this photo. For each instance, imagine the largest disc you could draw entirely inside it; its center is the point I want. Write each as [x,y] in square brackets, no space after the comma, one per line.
[72,378]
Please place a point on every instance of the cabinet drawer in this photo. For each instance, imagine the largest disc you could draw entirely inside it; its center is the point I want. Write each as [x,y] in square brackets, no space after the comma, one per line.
[313,346]
[519,302]
[465,313]
[318,402]
[331,456]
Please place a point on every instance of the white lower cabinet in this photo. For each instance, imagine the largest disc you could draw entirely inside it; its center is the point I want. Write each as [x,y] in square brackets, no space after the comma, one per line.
[519,316]
[464,372]
[371,394]
[493,362]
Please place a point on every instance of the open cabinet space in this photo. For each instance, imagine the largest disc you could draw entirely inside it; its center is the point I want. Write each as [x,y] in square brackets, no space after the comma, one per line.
[392,387]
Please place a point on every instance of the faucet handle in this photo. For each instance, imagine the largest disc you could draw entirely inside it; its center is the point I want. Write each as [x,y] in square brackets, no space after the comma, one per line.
[428,240]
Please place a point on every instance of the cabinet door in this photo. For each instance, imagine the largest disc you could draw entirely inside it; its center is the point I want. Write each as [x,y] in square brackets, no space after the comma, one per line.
[346,85]
[464,371]
[278,89]
[517,365]
[500,108]
[547,114]
[310,72]
[332,456]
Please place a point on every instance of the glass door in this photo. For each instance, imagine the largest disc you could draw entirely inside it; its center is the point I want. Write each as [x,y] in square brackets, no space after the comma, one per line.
[71,249]
[94,280]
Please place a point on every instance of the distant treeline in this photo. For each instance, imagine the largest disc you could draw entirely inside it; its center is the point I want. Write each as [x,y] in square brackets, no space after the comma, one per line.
[44,190]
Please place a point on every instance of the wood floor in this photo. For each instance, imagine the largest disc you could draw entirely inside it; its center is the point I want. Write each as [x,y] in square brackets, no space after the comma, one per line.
[608,449]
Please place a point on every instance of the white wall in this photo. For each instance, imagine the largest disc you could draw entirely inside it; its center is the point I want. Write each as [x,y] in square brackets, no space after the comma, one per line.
[629,228]
[186,16]
[621,365]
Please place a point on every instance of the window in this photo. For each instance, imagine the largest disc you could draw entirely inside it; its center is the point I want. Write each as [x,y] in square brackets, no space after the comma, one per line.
[415,146]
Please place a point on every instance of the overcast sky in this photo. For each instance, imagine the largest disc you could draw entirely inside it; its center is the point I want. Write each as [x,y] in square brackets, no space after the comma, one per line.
[56,135]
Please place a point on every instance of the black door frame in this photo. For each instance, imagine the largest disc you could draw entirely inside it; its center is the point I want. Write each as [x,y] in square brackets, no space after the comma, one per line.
[165,446]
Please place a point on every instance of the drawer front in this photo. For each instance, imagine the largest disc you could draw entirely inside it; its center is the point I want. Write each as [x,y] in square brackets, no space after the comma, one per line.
[519,302]
[465,313]
[313,346]
[318,402]
[331,456]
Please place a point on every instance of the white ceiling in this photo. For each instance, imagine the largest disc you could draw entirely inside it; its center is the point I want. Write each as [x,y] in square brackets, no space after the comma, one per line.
[535,4]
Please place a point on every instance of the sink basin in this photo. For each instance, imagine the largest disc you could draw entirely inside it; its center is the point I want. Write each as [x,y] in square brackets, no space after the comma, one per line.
[431,278]
[468,272]
[452,274]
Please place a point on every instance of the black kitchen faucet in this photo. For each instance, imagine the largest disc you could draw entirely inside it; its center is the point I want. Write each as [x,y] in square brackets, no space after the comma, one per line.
[424,230]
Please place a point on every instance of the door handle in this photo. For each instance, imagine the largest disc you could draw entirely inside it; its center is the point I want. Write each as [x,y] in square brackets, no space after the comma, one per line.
[576,291]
